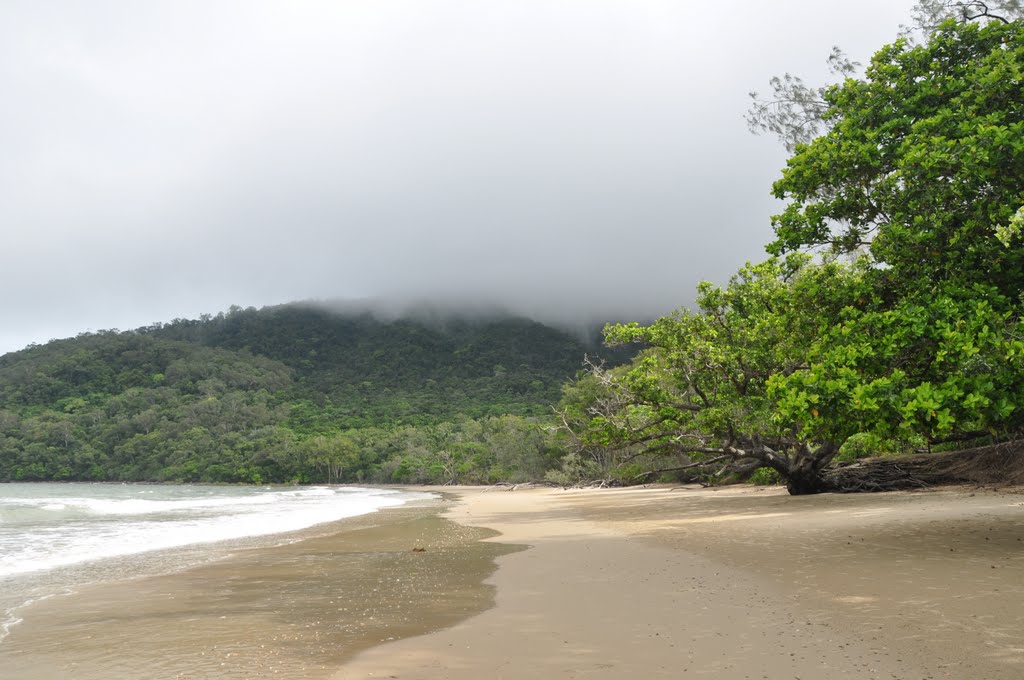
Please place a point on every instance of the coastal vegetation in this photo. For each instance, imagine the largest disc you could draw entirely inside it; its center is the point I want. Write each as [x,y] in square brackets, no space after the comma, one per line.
[287,394]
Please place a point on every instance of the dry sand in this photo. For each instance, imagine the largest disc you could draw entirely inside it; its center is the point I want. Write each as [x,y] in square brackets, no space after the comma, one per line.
[735,583]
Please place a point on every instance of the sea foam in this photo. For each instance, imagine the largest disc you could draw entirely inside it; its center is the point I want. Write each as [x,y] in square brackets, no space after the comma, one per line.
[47,526]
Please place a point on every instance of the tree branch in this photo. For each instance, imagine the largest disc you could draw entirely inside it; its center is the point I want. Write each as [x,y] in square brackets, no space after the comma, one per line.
[679,468]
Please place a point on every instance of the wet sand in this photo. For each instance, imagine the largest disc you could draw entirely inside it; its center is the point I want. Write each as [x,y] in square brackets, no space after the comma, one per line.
[297,610]
[736,583]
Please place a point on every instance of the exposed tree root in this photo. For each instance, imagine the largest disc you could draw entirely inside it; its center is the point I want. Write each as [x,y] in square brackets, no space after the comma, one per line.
[995,465]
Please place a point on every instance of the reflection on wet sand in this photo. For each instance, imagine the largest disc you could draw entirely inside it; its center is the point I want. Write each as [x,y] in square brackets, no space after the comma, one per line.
[295,610]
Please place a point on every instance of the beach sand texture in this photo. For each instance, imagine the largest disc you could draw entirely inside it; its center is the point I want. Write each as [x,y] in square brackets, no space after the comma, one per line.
[296,610]
[737,583]
[730,583]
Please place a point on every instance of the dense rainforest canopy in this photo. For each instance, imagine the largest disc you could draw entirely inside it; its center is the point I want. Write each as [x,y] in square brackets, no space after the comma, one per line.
[287,393]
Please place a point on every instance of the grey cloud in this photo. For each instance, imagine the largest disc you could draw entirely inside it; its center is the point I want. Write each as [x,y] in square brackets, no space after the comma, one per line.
[565,160]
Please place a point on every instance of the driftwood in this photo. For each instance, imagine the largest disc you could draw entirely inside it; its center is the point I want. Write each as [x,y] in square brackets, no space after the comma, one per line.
[511,486]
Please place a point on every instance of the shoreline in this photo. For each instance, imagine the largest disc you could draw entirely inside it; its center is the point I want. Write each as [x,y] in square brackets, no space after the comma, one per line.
[295,608]
[735,583]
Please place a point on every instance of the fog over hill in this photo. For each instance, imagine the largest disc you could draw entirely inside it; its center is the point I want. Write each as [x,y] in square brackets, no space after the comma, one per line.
[566,161]
[583,324]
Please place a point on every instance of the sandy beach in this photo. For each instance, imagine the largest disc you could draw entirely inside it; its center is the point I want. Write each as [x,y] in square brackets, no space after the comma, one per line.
[733,583]
[736,583]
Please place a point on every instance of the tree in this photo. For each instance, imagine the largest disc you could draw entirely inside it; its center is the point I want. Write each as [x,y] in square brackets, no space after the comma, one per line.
[923,169]
[916,182]
[924,164]
[928,15]
[702,386]
[333,455]
[796,112]
[941,367]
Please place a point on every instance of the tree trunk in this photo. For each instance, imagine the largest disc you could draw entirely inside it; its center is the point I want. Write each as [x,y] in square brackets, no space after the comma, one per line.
[803,480]
[804,475]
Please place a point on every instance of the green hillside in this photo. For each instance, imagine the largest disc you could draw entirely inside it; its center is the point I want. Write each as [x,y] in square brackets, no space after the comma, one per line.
[287,393]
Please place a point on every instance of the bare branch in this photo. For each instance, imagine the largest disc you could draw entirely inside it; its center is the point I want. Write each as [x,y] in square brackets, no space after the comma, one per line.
[795,112]
[705,463]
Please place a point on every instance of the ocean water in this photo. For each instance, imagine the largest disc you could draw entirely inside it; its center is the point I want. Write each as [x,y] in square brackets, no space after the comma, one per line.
[55,538]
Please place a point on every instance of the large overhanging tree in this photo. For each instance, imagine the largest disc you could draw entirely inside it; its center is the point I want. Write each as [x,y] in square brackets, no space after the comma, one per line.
[702,387]
[919,180]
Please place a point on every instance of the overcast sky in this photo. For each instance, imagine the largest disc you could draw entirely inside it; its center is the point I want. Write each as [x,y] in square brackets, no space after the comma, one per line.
[565,159]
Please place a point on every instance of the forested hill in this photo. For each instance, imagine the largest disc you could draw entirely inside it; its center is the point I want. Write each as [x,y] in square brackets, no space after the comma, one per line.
[287,393]
[402,370]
